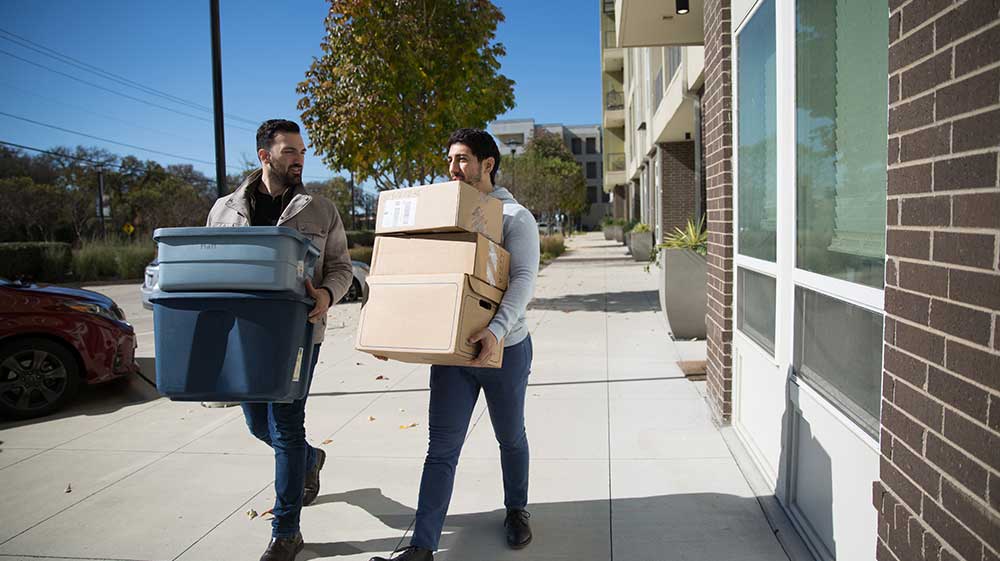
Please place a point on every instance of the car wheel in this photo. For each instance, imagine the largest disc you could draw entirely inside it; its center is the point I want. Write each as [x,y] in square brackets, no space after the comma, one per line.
[353,293]
[37,377]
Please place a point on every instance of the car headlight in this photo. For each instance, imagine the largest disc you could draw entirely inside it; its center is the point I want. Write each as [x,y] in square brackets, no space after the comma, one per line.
[96,309]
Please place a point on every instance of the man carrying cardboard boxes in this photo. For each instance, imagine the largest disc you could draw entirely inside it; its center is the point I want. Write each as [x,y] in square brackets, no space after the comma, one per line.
[483,304]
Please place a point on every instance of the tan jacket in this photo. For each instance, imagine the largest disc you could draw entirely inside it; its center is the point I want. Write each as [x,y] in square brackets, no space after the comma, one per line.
[315,217]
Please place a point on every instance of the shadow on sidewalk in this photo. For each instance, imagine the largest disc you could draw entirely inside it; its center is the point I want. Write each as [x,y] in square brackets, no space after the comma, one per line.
[681,526]
[615,302]
[99,399]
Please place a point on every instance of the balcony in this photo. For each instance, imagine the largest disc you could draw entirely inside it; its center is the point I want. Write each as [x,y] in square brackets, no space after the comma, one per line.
[614,170]
[613,56]
[614,109]
[655,23]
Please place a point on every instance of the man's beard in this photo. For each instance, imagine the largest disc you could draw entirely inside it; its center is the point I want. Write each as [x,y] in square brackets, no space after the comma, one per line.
[285,177]
[473,180]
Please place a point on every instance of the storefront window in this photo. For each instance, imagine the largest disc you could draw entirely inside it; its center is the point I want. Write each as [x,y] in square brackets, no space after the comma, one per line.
[755,306]
[841,104]
[757,135]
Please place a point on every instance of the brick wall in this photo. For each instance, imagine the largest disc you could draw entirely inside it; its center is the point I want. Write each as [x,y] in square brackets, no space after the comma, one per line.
[718,136]
[939,491]
[679,192]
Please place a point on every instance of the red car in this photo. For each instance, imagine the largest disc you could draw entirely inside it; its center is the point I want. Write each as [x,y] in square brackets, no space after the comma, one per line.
[52,340]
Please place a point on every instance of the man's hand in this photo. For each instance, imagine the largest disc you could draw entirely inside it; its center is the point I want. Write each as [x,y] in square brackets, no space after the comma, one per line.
[489,342]
[322,298]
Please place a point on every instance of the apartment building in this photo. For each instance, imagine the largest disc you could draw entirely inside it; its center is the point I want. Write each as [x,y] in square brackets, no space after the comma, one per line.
[845,154]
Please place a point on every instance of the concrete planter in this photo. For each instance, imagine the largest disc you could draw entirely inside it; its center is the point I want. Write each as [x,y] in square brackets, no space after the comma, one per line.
[640,244]
[682,292]
[609,233]
[618,233]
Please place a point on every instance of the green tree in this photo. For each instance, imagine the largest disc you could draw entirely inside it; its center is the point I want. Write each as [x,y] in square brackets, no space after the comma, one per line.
[546,179]
[396,78]
[338,190]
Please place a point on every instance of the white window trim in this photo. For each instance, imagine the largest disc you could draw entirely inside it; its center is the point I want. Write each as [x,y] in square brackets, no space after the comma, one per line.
[851,292]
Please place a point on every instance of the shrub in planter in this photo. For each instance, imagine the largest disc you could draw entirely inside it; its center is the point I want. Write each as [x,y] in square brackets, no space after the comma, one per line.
[554,245]
[640,241]
[682,291]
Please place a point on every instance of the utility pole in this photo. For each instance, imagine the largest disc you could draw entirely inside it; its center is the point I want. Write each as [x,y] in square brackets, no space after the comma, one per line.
[220,139]
[100,201]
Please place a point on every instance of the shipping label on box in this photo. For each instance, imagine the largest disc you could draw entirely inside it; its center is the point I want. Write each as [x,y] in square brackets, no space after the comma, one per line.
[472,254]
[442,207]
[427,319]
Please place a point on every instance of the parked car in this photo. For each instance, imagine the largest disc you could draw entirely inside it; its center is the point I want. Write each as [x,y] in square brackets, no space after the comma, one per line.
[53,340]
[358,290]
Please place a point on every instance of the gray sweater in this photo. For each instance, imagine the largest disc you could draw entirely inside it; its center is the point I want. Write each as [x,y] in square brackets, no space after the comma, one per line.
[520,238]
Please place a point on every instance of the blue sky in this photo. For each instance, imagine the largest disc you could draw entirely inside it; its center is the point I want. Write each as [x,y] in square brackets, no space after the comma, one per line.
[552,54]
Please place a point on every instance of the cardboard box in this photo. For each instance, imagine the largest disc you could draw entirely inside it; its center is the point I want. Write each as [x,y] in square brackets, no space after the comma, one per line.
[442,207]
[471,254]
[427,319]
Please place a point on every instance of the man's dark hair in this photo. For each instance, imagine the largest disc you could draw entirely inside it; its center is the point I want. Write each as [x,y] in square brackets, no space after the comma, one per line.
[482,145]
[268,129]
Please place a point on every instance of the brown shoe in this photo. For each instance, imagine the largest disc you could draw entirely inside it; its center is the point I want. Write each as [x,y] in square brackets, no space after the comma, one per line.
[311,490]
[283,549]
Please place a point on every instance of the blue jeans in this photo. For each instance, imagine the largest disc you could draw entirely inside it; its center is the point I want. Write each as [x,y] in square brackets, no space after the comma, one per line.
[282,426]
[454,392]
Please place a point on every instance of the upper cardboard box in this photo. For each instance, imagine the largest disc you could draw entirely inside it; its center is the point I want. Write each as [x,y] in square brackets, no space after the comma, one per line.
[442,207]
[472,254]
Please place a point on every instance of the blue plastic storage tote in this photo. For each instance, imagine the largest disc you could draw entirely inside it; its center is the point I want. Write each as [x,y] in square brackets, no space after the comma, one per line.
[248,258]
[232,346]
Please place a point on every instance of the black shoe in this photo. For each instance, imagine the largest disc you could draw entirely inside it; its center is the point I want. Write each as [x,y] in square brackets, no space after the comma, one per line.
[518,530]
[412,553]
[283,549]
[311,490]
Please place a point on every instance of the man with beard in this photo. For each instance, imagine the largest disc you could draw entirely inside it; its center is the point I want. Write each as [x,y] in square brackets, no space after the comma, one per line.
[274,196]
[473,157]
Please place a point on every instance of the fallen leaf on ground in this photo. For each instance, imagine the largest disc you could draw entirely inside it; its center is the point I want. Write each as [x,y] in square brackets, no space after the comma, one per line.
[327,441]
[370,418]
[251,514]
[402,410]
[69,488]
[409,426]
[357,364]
[380,377]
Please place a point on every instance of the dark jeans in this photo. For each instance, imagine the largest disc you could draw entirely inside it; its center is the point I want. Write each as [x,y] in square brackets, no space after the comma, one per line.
[282,426]
[454,392]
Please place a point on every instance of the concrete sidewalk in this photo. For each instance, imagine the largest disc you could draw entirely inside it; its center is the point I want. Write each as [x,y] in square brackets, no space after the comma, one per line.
[625,462]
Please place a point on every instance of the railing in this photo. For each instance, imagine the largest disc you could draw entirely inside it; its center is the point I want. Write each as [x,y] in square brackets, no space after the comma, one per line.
[616,161]
[615,100]
[610,40]
[609,7]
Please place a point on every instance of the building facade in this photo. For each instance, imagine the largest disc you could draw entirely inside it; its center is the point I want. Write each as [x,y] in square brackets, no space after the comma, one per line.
[585,142]
[849,153]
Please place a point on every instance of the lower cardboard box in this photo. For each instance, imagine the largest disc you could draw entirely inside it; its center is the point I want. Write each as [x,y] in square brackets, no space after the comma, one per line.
[427,319]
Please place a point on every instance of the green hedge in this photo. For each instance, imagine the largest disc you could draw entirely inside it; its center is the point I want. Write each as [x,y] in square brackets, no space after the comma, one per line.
[110,260]
[36,261]
[363,254]
[360,238]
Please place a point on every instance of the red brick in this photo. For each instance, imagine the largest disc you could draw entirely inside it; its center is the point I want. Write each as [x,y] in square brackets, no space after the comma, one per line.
[913,307]
[890,330]
[994,492]
[972,250]
[951,531]
[908,243]
[978,51]
[970,94]
[975,439]
[994,415]
[977,131]
[972,513]
[958,393]
[918,405]
[926,75]
[957,464]
[920,12]
[976,365]
[932,547]
[926,279]
[902,427]
[882,553]
[893,88]
[927,143]
[966,18]
[906,367]
[912,115]
[909,179]
[917,469]
[977,210]
[920,342]
[899,485]
[968,172]
[926,211]
[892,212]
[911,49]
[967,323]
[893,151]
